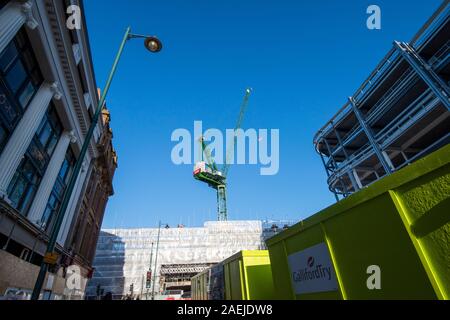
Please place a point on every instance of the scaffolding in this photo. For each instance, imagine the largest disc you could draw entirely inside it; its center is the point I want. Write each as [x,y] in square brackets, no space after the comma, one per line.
[124,256]
[399,114]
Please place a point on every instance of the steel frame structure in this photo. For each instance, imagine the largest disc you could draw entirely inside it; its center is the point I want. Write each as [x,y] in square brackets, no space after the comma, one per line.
[399,114]
[175,269]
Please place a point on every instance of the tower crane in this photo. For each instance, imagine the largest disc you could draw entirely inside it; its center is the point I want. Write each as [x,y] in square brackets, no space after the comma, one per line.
[208,172]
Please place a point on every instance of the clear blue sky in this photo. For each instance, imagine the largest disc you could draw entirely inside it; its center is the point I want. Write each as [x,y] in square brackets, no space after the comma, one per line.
[302,58]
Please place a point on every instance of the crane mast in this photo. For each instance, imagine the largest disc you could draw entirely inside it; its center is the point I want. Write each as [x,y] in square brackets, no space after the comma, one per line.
[207,171]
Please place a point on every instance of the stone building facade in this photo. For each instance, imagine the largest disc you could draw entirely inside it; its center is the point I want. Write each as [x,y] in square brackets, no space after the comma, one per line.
[48,95]
[85,229]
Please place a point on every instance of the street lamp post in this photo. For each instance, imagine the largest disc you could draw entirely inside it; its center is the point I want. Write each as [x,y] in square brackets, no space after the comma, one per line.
[150,270]
[153,45]
[156,261]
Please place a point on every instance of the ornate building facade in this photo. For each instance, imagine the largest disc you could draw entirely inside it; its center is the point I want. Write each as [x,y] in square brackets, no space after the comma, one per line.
[85,229]
[48,95]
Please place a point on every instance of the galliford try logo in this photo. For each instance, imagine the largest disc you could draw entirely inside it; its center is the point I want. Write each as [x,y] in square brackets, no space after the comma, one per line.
[312,270]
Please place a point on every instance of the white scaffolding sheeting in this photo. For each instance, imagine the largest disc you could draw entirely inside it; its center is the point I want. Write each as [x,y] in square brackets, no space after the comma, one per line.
[123,255]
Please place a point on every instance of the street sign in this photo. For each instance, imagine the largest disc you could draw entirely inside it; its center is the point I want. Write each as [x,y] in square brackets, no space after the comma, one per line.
[51,258]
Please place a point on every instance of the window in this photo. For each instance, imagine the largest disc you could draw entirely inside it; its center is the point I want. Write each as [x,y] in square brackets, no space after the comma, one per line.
[101,203]
[84,84]
[16,76]
[58,191]
[23,186]
[24,254]
[3,136]
[3,3]
[20,78]
[8,56]
[49,131]
[92,186]
[85,242]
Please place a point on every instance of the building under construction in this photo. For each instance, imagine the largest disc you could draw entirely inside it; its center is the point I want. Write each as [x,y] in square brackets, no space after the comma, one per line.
[398,115]
[138,262]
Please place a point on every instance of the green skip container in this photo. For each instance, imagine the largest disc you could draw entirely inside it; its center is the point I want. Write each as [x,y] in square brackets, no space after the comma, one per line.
[390,240]
[246,275]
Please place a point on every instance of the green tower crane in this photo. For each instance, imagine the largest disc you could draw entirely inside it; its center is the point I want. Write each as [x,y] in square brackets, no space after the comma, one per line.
[208,172]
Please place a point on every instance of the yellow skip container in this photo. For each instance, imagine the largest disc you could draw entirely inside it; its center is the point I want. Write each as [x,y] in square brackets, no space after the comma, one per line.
[390,240]
[247,275]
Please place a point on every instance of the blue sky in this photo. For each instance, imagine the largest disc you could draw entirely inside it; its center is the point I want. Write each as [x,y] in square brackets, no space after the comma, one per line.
[302,58]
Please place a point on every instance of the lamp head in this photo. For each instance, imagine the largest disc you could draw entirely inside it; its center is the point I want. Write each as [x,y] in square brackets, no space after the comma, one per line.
[153,44]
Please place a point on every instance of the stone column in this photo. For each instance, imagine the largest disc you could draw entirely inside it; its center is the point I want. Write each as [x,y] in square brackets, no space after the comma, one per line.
[83,226]
[23,134]
[12,17]
[50,176]
[71,213]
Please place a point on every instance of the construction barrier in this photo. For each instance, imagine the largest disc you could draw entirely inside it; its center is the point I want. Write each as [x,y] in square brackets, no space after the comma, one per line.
[246,275]
[390,240]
